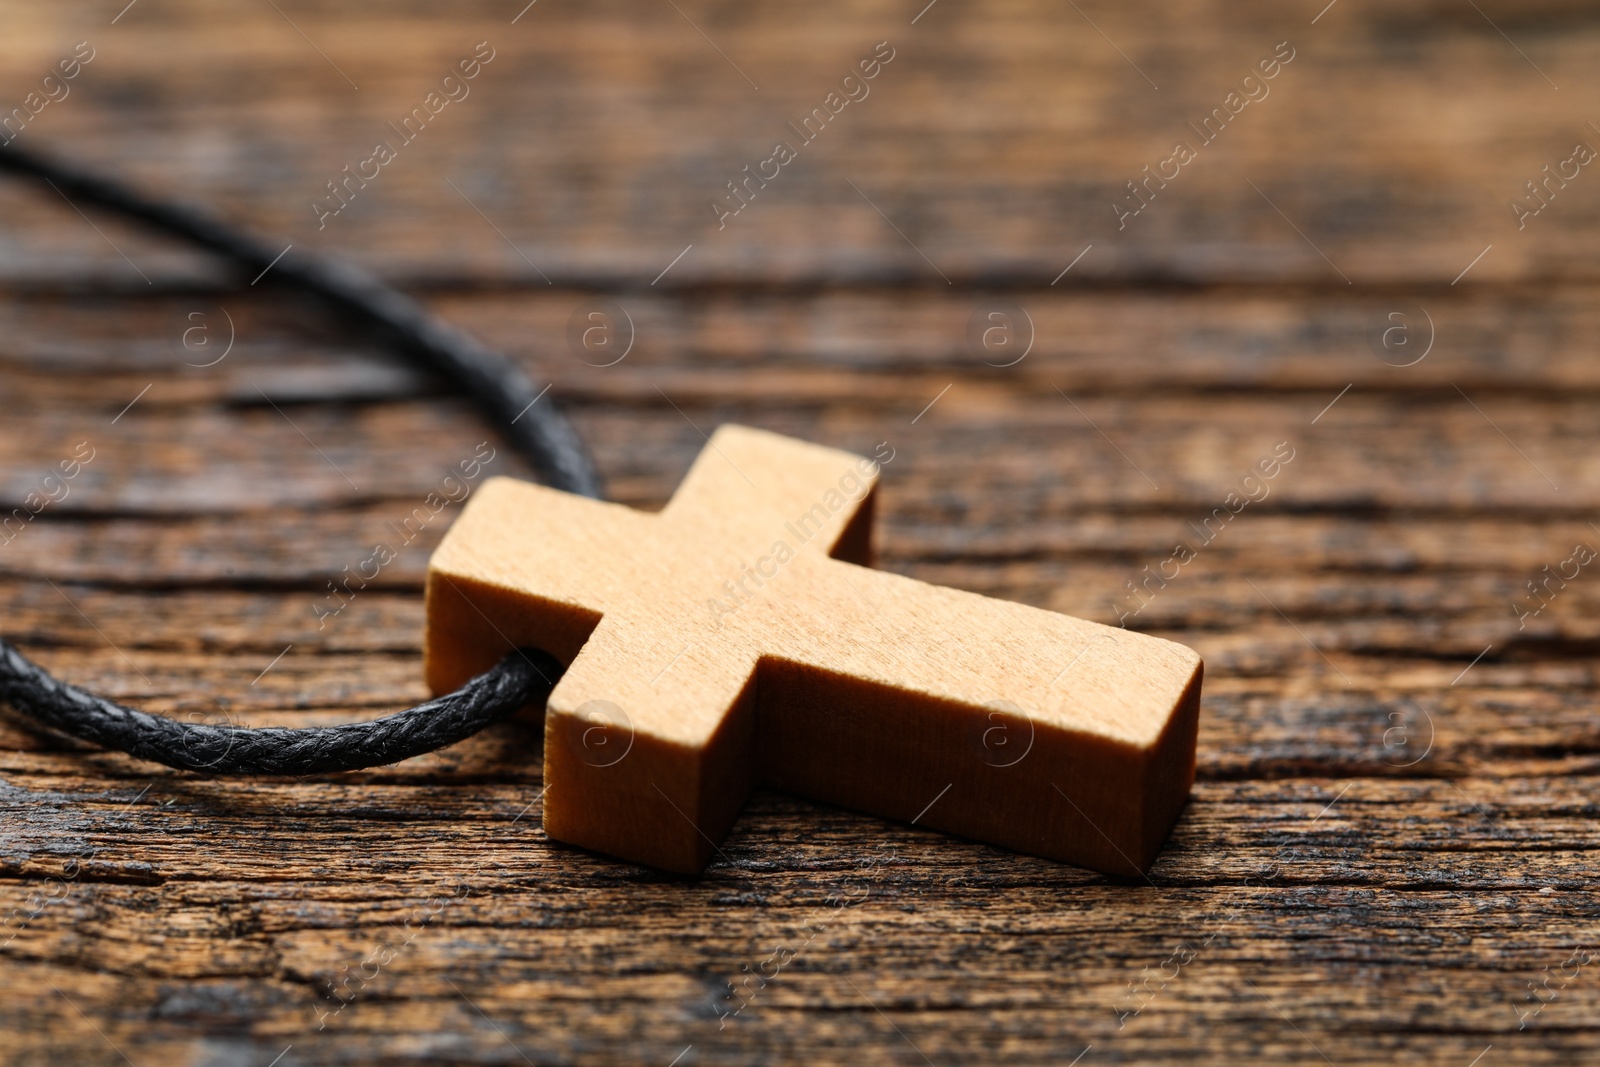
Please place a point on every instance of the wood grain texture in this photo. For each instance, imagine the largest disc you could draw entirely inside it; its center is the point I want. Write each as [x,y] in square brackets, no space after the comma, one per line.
[1390,851]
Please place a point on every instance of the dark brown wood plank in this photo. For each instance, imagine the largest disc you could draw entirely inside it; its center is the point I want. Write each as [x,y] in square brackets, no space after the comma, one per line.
[998,138]
[1480,805]
[1389,852]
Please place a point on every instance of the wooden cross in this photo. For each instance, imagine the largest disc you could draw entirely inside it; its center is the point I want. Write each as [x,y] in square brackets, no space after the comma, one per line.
[741,636]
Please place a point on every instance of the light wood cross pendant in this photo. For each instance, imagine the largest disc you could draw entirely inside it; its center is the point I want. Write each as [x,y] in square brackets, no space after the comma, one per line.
[740,636]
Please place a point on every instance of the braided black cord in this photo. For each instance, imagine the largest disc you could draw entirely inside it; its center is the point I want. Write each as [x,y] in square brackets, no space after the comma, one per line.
[499,388]
[494,383]
[518,679]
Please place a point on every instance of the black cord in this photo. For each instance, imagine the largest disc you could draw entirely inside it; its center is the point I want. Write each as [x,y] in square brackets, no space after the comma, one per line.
[495,384]
[499,388]
[516,680]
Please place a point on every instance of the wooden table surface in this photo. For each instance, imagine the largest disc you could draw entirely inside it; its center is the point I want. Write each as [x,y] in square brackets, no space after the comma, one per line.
[1388,856]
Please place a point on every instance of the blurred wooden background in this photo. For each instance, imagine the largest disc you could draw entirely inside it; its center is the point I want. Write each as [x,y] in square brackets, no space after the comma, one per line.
[1388,856]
